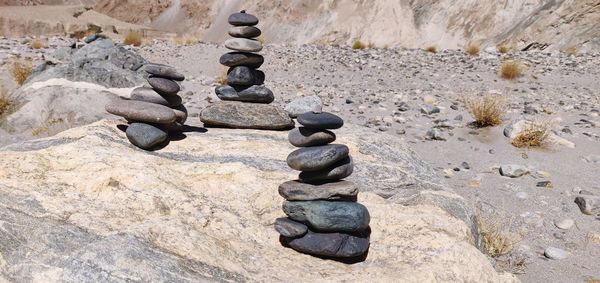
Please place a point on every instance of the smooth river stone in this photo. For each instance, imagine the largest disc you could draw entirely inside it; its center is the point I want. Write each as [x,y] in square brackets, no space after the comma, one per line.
[164,86]
[333,245]
[304,137]
[317,158]
[244,44]
[145,136]
[141,111]
[241,75]
[296,190]
[320,121]
[336,172]
[181,113]
[244,32]
[329,216]
[149,95]
[289,228]
[233,59]
[242,19]
[255,93]
[164,71]
[246,116]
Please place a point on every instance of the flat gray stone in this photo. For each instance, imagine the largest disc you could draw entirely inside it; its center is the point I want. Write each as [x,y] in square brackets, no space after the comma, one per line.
[163,71]
[244,31]
[297,190]
[141,111]
[334,245]
[233,59]
[555,253]
[240,115]
[242,76]
[255,94]
[145,136]
[338,171]
[164,86]
[244,44]
[150,95]
[303,137]
[290,228]
[305,104]
[317,158]
[242,19]
[320,120]
[329,216]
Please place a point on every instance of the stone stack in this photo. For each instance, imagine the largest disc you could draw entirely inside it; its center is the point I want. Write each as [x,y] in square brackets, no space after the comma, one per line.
[245,99]
[323,217]
[153,112]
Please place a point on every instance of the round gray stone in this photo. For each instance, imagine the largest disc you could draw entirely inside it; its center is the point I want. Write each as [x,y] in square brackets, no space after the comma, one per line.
[164,86]
[305,104]
[338,171]
[320,120]
[163,71]
[145,136]
[290,228]
[141,111]
[334,245]
[296,190]
[244,32]
[149,95]
[255,93]
[244,44]
[555,253]
[317,158]
[304,137]
[329,216]
[241,75]
[233,59]
[242,19]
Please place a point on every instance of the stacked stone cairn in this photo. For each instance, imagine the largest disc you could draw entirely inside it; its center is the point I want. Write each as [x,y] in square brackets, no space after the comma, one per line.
[153,112]
[323,217]
[245,99]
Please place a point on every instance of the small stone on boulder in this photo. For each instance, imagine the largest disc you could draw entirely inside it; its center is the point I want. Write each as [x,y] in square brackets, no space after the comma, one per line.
[290,228]
[145,136]
[163,71]
[334,245]
[317,158]
[305,137]
[164,86]
[246,116]
[329,216]
[255,93]
[305,104]
[244,44]
[242,19]
[297,190]
[150,95]
[320,120]
[244,31]
[338,171]
[142,111]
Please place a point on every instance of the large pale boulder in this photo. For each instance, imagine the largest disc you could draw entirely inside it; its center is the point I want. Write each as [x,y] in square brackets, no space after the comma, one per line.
[87,206]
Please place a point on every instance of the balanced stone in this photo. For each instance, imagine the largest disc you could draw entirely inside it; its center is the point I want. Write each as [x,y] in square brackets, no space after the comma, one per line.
[241,75]
[142,111]
[302,105]
[244,31]
[150,95]
[244,44]
[233,59]
[255,93]
[164,86]
[296,190]
[246,116]
[259,77]
[164,71]
[181,113]
[336,172]
[290,228]
[145,136]
[242,19]
[334,245]
[329,216]
[303,137]
[321,121]
[317,158]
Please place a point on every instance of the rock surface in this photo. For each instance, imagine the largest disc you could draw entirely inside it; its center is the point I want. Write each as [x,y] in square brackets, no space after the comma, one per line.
[296,190]
[88,206]
[246,116]
[329,216]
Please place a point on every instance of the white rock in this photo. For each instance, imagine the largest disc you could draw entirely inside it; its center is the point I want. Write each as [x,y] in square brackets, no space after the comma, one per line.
[555,253]
[564,224]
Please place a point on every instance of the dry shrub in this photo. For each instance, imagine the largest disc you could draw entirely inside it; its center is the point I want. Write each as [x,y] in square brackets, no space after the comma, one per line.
[472,49]
[4,100]
[20,70]
[497,234]
[487,110]
[511,69]
[133,38]
[185,40]
[535,134]
[503,49]
[222,76]
[431,49]
[358,45]
[37,44]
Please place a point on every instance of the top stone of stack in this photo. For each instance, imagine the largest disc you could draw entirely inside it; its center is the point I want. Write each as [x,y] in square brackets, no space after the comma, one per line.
[242,19]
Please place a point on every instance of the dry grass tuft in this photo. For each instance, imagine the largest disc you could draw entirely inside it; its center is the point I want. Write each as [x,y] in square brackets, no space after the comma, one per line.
[472,49]
[534,135]
[503,49]
[20,70]
[431,49]
[37,44]
[511,69]
[186,40]
[133,38]
[487,110]
[4,100]
[497,234]
[262,39]
[358,45]
[222,77]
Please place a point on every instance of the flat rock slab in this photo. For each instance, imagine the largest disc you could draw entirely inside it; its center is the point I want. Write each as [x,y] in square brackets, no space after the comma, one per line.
[254,94]
[331,216]
[246,116]
[297,190]
[142,111]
